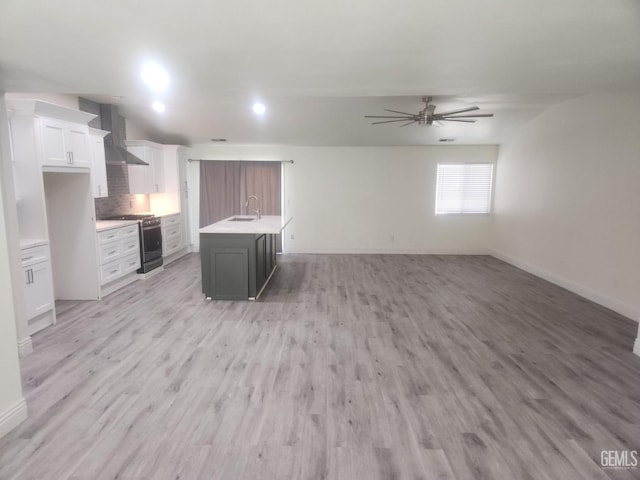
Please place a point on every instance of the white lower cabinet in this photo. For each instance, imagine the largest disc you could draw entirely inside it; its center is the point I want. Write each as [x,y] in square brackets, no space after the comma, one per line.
[119,256]
[39,298]
[172,239]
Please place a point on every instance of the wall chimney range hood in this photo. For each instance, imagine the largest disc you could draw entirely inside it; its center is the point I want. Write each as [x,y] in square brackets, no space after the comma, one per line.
[114,148]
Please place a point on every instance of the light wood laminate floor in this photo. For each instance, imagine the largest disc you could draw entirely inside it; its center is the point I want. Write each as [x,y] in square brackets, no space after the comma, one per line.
[349,367]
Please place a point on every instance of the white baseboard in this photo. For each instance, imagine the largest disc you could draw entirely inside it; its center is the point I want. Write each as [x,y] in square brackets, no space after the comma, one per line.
[13,416]
[586,292]
[388,251]
[25,347]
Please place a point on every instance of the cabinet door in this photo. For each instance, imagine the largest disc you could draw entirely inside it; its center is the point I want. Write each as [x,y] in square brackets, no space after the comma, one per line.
[54,150]
[156,161]
[140,179]
[77,142]
[98,169]
[38,289]
[261,262]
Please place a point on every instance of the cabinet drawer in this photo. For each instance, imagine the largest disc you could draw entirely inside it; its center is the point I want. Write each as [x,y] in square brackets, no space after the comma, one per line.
[113,234]
[30,256]
[130,263]
[110,251]
[130,245]
[129,231]
[113,270]
[172,231]
[110,271]
[170,220]
[172,244]
[107,236]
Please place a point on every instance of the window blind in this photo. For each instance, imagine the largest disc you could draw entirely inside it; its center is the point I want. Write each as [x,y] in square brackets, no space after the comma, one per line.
[463,188]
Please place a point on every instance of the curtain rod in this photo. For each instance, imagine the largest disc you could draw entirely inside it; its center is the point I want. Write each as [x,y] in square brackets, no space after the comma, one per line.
[235,160]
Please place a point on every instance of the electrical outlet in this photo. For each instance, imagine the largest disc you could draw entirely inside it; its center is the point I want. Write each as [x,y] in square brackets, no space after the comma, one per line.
[293,237]
[392,238]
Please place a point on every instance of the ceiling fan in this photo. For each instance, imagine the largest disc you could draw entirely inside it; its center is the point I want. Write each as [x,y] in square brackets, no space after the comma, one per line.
[427,116]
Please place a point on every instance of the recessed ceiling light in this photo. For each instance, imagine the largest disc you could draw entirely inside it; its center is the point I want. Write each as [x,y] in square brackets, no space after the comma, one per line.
[259,108]
[158,106]
[155,76]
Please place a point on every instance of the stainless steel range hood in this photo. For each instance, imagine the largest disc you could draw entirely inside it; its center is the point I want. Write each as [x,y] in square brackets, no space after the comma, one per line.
[114,148]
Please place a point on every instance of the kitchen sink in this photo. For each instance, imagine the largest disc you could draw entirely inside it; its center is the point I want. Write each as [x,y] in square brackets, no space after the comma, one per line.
[242,219]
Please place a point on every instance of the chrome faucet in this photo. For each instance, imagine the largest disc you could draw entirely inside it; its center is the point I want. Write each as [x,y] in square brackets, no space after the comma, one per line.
[257,209]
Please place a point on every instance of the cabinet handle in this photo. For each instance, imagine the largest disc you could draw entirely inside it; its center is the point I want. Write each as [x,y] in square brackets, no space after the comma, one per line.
[111,252]
[29,276]
[24,259]
[157,189]
[99,190]
[113,271]
[69,161]
[72,160]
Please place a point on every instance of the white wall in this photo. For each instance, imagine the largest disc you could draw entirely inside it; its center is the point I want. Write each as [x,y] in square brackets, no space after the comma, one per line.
[567,199]
[13,408]
[354,199]
[12,229]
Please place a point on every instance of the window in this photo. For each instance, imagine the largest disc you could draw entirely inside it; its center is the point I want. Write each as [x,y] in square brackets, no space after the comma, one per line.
[463,188]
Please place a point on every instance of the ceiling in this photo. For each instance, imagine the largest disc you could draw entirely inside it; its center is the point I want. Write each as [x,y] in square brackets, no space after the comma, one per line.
[321,66]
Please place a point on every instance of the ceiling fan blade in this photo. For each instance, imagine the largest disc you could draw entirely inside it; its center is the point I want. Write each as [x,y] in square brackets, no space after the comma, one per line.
[385,116]
[409,123]
[477,115]
[454,120]
[463,110]
[391,121]
[404,113]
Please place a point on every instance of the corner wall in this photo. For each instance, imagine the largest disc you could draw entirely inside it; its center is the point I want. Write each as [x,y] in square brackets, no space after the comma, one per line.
[13,408]
[567,199]
[362,199]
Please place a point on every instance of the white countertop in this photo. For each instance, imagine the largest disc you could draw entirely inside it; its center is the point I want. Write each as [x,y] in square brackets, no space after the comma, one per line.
[267,224]
[109,224]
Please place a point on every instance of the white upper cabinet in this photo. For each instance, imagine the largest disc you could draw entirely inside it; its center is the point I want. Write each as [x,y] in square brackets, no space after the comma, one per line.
[78,145]
[61,134]
[53,147]
[64,144]
[146,179]
[98,166]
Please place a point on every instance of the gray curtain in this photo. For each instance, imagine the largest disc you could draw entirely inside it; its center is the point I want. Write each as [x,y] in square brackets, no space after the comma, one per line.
[226,185]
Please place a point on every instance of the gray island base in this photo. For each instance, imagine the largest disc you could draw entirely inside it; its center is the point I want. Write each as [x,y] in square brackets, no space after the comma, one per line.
[238,256]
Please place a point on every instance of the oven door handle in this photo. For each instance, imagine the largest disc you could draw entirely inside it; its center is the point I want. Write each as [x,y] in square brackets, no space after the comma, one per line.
[151,227]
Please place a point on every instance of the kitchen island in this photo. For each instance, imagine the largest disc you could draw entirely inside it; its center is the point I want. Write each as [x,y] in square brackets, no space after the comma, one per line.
[238,256]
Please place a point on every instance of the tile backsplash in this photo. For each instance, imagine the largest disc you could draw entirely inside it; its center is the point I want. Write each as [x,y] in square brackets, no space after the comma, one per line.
[120,201]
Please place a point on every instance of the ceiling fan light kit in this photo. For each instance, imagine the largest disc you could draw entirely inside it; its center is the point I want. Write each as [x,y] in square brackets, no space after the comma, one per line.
[427,115]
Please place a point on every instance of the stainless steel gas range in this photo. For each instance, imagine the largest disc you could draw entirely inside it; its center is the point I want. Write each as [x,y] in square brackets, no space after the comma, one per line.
[150,233]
